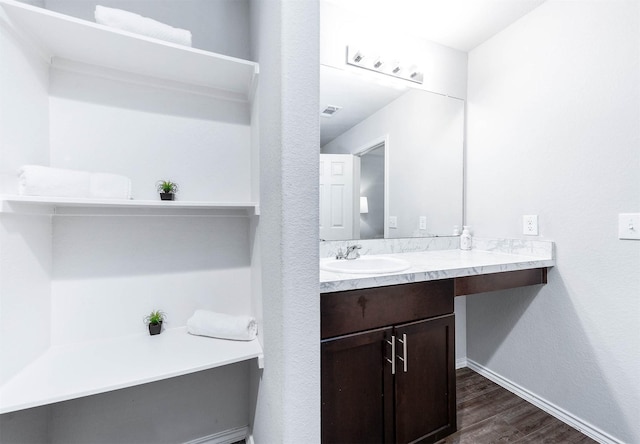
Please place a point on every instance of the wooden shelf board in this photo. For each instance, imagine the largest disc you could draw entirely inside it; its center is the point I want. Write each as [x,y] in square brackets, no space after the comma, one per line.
[77,370]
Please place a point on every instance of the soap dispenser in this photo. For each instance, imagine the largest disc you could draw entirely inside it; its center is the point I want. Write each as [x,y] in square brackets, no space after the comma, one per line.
[465,238]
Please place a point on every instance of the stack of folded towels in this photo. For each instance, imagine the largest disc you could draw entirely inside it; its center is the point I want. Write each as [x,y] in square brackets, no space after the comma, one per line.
[223,326]
[36,180]
[128,21]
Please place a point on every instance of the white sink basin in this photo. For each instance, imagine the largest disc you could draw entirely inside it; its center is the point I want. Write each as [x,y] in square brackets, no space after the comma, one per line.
[365,265]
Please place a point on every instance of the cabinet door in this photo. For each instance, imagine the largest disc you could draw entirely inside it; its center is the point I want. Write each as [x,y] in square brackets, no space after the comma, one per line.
[425,392]
[357,388]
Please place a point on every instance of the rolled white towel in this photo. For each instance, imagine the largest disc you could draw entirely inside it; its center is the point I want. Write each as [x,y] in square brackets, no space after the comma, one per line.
[109,186]
[129,21]
[223,326]
[36,180]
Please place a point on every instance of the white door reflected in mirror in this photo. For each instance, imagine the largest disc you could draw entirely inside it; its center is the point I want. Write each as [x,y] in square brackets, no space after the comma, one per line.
[336,196]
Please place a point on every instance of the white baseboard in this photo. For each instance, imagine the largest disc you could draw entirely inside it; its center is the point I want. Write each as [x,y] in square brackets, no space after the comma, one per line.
[226,437]
[461,363]
[552,409]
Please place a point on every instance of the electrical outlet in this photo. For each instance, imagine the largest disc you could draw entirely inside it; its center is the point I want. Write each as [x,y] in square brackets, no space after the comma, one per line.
[423,222]
[629,226]
[393,222]
[530,225]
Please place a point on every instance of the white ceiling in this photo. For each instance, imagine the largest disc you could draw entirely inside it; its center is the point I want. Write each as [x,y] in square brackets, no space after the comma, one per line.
[459,24]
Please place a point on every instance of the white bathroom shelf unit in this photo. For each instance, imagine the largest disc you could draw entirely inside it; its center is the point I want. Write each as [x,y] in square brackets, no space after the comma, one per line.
[75,370]
[62,38]
[75,206]
[83,369]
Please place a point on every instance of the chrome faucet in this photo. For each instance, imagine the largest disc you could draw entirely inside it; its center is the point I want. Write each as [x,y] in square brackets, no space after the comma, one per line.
[352,249]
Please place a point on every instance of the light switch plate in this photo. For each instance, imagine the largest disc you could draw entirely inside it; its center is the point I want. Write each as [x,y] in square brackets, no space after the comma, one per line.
[530,225]
[629,226]
[423,222]
[393,222]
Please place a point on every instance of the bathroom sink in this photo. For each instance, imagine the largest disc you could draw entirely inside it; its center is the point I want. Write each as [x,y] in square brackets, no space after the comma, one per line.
[365,265]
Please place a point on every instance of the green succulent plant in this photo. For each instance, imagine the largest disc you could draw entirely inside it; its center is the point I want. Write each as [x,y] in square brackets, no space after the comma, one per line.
[166,186]
[155,317]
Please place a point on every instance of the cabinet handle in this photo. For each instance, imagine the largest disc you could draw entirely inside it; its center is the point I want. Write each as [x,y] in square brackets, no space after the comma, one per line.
[393,354]
[403,358]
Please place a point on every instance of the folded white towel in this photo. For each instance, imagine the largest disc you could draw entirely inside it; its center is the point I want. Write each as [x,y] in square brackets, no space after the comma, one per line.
[224,326]
[129,21]
[110,186]
[36,180]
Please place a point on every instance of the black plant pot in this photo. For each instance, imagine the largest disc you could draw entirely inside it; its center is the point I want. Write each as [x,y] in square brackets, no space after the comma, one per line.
[167,196]
[154,329]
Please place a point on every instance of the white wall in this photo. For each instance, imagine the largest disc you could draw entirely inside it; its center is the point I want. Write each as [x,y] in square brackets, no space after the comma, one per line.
[553,130]
[127,266]
[25,245]
[288,394]
[220,26]
[444,68]
[425,146]
[25,287]
[24,114]
[148,134]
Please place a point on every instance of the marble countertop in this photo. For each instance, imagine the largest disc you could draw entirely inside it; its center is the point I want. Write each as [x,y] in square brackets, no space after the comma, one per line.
[438,264]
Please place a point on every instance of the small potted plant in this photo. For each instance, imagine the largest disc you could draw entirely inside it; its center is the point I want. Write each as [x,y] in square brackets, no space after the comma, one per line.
[154,320]
[167,189]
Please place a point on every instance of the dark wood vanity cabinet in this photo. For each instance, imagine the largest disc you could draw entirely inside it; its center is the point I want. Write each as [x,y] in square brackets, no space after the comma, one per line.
[425,393]
[388,364]
[357,388]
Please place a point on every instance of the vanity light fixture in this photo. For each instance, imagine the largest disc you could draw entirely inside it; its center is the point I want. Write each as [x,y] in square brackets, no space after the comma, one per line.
[358,57]
[377,64]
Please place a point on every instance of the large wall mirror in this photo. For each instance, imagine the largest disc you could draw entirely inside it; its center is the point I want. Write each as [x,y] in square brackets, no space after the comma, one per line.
[391,158]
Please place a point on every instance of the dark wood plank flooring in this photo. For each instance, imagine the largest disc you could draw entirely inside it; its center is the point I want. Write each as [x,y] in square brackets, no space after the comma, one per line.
[487,414]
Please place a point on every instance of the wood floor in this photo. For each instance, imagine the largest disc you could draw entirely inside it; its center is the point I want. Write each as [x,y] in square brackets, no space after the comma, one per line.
[489,414]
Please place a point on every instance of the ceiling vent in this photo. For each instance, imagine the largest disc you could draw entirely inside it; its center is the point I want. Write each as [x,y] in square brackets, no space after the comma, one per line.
[330,110]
